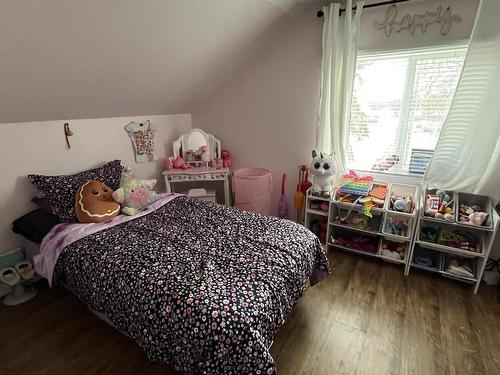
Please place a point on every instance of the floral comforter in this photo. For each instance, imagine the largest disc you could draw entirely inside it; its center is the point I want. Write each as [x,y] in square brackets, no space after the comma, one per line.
[196,284]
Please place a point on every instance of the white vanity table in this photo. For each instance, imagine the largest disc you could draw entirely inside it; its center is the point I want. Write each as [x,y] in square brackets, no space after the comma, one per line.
[199,149]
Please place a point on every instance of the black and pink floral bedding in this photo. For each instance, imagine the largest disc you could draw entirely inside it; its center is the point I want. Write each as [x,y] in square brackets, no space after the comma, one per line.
[196,284]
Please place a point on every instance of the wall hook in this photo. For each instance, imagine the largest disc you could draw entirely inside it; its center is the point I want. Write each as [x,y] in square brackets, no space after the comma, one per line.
[67,133]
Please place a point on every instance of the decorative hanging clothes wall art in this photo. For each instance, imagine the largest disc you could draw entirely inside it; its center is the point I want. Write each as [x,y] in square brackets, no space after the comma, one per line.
[142,137]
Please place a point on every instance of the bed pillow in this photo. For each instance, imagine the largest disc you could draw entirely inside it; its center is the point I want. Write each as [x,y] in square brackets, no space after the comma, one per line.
[35,225]
[61,190]
[42,203]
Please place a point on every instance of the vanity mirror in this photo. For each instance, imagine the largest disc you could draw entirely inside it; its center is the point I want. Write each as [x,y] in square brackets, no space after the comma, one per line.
[197,147]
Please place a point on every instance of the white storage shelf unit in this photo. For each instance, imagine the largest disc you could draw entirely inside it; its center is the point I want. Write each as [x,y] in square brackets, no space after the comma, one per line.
[378,231]
[440,254]
[373,232]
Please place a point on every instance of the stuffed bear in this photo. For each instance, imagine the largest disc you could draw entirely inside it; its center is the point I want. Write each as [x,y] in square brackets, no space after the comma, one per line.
[134,194]
[94,203]
[323,167]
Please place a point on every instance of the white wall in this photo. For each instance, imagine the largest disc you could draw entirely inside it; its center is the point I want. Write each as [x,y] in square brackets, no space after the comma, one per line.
[108,58]
[39,147]
[266,114]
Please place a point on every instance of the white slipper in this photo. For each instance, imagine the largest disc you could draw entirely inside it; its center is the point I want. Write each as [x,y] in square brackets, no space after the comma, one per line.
[25,269]
[9,276]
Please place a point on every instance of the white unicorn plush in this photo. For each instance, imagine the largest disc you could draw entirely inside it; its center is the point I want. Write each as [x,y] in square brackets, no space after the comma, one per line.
[324,168]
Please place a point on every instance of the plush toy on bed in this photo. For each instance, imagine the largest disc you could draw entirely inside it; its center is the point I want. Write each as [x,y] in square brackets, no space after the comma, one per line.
[323,167]
[134,194]
[94,203]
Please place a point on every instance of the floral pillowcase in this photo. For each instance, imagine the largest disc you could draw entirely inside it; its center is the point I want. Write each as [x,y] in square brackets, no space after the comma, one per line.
[61,190]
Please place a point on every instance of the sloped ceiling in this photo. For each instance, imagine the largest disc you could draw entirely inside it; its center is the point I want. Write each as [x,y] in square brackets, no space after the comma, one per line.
[105,58]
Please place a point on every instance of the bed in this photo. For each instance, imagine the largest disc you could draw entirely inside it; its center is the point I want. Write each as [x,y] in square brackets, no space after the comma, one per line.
[198,285]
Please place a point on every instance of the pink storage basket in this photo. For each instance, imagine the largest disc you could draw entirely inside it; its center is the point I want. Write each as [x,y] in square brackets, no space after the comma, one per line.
[253,189]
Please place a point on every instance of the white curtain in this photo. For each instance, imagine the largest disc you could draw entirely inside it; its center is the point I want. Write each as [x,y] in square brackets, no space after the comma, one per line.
[340,50]
[467,156]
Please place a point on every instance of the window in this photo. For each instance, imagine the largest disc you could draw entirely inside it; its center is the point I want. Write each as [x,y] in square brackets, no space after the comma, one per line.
[399,104]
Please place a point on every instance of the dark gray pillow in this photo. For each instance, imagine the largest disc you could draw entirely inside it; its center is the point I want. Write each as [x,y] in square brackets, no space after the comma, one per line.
[35,225]
[61,190]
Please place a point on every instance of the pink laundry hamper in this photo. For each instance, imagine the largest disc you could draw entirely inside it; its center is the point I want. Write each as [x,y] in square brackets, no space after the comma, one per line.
[253,189]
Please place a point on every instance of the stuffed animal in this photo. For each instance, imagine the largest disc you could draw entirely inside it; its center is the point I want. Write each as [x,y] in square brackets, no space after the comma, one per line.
[134,194]
[94,203]
[323,168]
[226,159]
[177,163]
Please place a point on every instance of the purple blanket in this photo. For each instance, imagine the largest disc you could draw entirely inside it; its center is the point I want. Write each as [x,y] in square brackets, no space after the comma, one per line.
[196,284]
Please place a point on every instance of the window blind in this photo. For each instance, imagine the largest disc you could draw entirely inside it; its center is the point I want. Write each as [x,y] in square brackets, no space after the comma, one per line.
[399,104]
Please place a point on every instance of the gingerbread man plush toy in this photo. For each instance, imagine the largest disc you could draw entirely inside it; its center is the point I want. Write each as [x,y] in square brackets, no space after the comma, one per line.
[94,203]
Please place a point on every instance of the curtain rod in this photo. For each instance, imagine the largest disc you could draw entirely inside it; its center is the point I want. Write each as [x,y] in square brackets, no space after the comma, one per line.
[320,13]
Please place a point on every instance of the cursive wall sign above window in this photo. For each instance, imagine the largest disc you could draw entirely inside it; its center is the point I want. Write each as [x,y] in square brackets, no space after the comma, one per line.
[417,21]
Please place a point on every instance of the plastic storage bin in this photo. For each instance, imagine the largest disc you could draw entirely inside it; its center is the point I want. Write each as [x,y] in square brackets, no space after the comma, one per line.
[351,240]
[347,200]
[401,190]
[440,237]
[482,201]
[398,226]
[453,205]
[400,247]
[460,260]
[435,259]
[253,189]
[357,220]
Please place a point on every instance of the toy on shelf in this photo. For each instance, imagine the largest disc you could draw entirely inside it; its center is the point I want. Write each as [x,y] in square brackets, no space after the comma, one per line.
[427,259]
[319,205]
[323,167]
[397,225]
[177,163]
[461,267]
[356,241]
[379,191]
[394,250]
[361,190]
[459,239]
[473,215]
[429,234]
[439,205]
[424,260]
[376,196]
[402,203]
[227,162]
[351,183]
[358,220]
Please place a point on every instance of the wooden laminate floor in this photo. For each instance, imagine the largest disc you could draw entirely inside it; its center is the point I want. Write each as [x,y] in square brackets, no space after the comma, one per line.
[366,318]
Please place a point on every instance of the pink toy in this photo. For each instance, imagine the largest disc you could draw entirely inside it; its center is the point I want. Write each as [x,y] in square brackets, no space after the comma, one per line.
[477,218]
[226,159]
[133,195]
[218,163]
[177,163]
